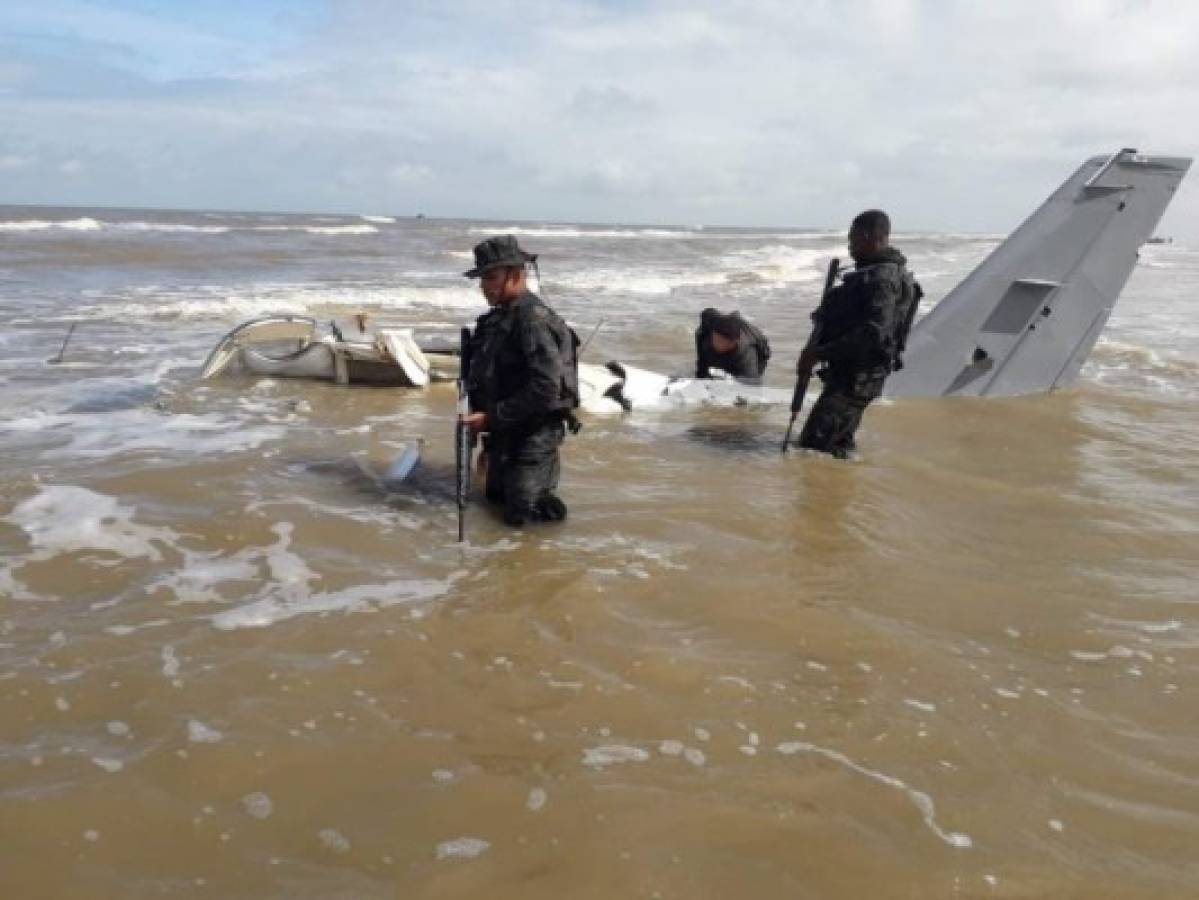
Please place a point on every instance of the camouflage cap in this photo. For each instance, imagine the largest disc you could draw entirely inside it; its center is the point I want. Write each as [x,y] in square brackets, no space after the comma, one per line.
[497,252]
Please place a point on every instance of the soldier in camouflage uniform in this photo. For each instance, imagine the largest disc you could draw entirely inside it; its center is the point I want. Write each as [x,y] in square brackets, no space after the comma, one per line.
[862,324]
[523,385]
[729,343]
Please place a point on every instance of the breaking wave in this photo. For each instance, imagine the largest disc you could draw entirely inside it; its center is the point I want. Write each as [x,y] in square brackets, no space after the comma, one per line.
[17,226]
[236,304]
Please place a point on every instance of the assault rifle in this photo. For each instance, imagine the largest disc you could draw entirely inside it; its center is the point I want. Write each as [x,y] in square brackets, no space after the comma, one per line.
[803,378]
[463,438]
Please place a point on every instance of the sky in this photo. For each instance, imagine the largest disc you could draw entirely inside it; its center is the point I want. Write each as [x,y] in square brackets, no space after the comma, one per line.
[953,116]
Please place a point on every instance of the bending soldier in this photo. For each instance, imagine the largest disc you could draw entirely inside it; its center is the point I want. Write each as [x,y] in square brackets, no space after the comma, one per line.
[523,386]
[863,324]
[729,343]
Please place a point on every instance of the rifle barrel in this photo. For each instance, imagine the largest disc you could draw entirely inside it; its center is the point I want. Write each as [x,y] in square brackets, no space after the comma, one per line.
[803,379]
[462,435]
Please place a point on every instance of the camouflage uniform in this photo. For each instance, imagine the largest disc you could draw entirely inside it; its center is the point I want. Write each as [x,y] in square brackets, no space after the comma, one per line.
[523,377]
[861,320]
[747,360]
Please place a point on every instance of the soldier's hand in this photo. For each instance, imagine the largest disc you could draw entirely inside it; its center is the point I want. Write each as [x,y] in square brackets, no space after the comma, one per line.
[476,420]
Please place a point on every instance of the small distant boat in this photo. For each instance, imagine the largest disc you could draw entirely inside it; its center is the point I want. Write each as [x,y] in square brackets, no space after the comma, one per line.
[1160,240]
[288,346]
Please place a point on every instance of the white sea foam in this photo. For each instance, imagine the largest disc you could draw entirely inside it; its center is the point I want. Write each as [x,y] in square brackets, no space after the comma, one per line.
[27,225]
[922,801]
[613,754]
[89,436]
[462,848]
[341,229]
[126,630]
[281,603]
[921,705]
[197,580]
[627,233]
[89,225]
[379,220]
[334,840]
[640,280]
[779,263]
[84,224]
[258,805]
[236,304]
[199,733]
[536,800]
[565,231]
[66,519]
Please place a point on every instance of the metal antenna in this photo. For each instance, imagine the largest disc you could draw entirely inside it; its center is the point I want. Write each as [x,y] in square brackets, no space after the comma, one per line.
[55,360]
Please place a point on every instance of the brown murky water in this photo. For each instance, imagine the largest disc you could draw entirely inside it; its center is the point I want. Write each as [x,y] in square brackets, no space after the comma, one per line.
[232,664]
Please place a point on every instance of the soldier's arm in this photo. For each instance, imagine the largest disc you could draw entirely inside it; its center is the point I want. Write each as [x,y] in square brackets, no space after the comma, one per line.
[869,339]
[539,394]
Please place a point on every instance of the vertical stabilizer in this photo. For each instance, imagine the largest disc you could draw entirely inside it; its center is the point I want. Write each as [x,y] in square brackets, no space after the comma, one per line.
[1026,319]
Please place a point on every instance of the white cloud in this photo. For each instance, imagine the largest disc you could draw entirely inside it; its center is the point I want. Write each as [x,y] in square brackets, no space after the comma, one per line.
[952,115]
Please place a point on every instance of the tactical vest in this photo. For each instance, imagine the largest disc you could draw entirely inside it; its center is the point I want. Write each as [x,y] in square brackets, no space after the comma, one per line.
[494,336]
[843,310]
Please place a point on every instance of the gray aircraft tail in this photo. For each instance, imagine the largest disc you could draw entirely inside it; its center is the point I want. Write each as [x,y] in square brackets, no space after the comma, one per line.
[1026,319]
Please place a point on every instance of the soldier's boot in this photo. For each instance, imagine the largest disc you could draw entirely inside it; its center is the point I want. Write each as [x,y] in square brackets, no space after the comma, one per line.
[517,517]
[550,508]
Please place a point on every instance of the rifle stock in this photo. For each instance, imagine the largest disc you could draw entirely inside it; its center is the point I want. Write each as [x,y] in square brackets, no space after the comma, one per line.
[803,379]
[463,440]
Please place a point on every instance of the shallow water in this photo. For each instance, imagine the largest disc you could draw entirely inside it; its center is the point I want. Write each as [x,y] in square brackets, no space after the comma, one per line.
[233,664]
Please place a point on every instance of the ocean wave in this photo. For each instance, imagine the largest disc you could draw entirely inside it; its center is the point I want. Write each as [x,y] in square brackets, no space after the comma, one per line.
[314,229]
[379,220]
[168,227]
[779,263]
[236,305]
[1166,256]
[84,224]
[96,225]
[552,231]
[1123,355]
[140,431]
[340,229]
[698,232]
[636,281]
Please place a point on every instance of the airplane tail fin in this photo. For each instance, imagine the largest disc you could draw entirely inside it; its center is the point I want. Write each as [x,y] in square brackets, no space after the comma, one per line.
[1026,319]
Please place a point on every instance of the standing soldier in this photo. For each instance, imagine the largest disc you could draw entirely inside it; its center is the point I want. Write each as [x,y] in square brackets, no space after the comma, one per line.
[524,385]
[863,327]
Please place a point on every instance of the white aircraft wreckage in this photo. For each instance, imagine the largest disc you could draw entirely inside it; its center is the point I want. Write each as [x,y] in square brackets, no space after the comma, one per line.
[1023,322]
